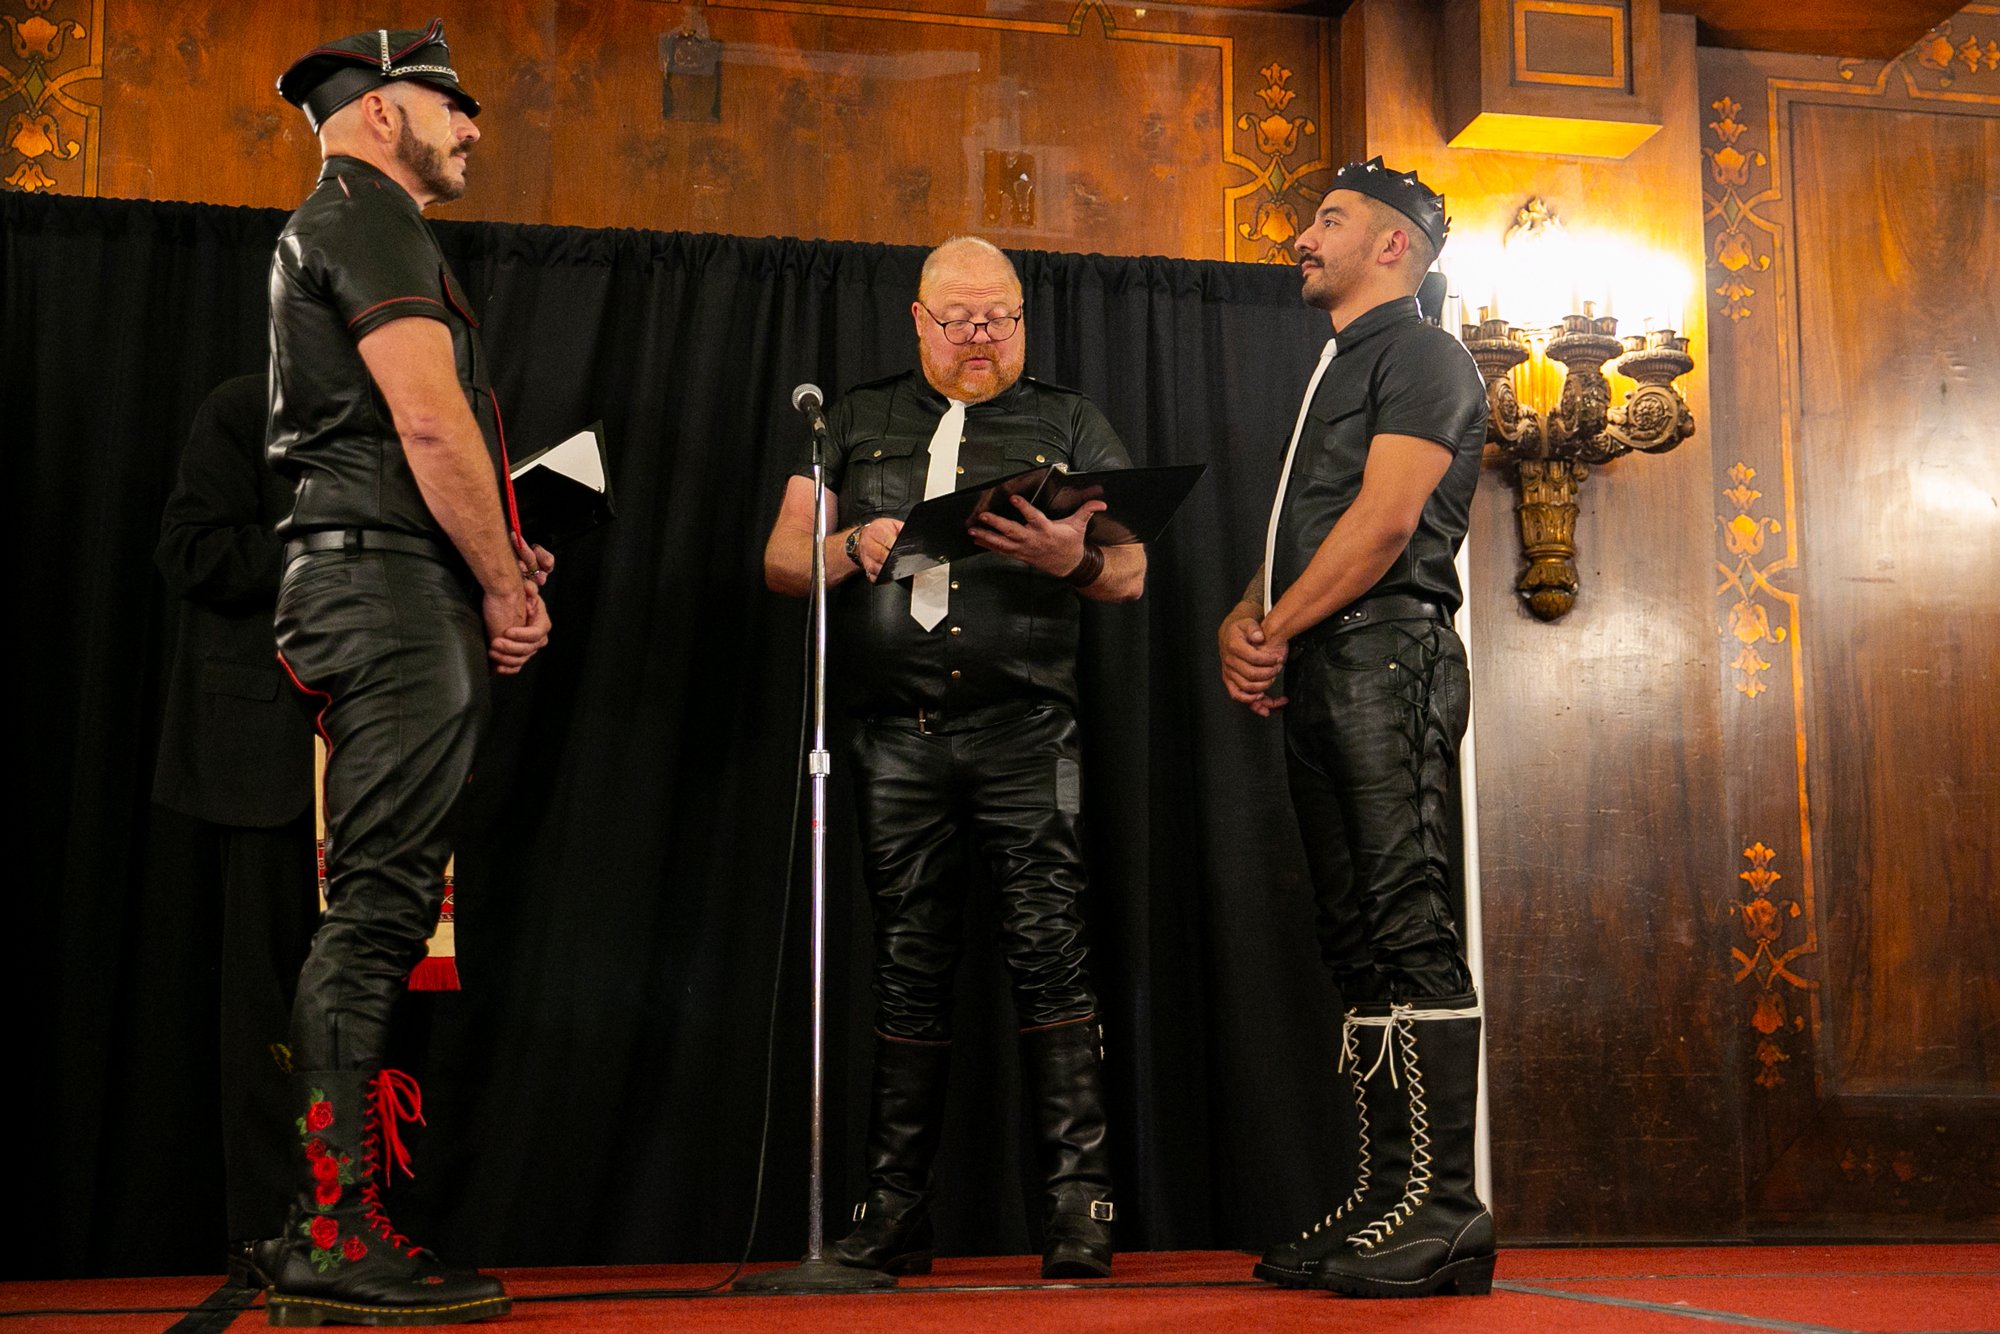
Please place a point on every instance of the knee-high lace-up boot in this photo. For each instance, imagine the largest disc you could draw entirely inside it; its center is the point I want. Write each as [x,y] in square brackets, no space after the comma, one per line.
[1382,1152]
[892,1228]
[343,1262]
[1426,1232]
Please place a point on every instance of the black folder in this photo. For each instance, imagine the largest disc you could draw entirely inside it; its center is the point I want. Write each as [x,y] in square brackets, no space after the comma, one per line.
[1140,500]
[564,491]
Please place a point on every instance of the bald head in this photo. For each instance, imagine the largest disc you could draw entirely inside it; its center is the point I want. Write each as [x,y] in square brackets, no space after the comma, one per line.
[967,279]
[966,257]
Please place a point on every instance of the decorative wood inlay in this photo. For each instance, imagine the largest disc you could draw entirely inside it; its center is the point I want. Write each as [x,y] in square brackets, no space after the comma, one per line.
[1749,619]
[1731,212]
[1275,219]
[50,141]
[1768,961]
[1959,60]
[1599,23]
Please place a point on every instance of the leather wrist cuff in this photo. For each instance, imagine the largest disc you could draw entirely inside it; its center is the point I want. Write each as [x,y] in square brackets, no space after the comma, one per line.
[1086,571]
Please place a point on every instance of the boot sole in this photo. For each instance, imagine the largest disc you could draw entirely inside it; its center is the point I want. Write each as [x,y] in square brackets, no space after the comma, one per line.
[1284,1278]
[296,1312]
[1471,1277]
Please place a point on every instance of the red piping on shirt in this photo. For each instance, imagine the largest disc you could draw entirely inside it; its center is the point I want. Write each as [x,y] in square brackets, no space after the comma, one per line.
[390,302]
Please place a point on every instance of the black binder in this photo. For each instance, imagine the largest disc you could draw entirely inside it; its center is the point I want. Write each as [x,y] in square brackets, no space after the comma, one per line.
[1141,501]
[564,491]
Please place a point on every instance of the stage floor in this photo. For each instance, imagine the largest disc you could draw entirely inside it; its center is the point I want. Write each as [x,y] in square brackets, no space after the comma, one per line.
[1787,1288]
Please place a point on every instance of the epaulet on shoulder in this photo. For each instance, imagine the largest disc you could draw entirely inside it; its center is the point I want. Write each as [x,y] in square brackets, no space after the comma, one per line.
[1052,387]
[882,383]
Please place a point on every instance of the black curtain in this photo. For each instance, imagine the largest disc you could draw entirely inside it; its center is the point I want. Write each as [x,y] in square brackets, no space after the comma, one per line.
[595,1091]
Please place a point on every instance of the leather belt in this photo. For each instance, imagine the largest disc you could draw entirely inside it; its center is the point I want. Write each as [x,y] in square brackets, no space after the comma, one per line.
[934,722]
[366,539]
[1373,611]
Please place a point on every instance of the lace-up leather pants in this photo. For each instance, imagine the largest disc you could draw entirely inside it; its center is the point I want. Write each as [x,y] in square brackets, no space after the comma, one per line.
[1372,730]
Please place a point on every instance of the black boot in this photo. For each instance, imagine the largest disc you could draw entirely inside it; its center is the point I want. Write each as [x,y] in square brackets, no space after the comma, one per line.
[342,1262]
[1426,1233]
[1063,1069]
[1382,1149]
[253,1264]
[892,1229]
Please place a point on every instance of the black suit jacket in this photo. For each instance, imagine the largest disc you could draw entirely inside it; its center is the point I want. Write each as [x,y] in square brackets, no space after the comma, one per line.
[236,747]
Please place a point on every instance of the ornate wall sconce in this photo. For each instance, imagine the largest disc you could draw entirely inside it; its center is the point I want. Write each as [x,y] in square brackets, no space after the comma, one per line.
[1553,445]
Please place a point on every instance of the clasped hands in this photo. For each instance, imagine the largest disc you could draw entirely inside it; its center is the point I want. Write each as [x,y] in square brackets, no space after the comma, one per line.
[1053,546]
[518,626]
[1251,660]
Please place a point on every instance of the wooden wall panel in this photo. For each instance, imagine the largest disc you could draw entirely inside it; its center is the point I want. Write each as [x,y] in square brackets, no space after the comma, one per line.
[1603,855]
[1852,246]
[1188,132]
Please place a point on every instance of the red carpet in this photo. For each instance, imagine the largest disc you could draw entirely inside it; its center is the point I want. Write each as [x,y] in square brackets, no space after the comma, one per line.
[1893,1289]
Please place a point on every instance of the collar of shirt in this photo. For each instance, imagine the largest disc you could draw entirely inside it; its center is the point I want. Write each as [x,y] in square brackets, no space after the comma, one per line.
[1371,322]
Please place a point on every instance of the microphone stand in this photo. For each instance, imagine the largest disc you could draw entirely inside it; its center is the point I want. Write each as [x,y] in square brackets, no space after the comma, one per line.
[816,1274]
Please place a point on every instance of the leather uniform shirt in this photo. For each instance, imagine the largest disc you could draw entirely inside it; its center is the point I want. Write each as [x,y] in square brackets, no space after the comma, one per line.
[1393,374]
[1011,632]
[356,256]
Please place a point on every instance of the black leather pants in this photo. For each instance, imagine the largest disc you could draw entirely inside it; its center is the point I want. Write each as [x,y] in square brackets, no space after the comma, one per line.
[1372,730]
[1014,786]
[396,646]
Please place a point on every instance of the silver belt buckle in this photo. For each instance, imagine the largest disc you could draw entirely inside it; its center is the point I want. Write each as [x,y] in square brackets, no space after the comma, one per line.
[1101,1211]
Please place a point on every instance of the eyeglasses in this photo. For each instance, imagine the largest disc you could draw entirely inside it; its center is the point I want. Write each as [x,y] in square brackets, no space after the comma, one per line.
[999,329]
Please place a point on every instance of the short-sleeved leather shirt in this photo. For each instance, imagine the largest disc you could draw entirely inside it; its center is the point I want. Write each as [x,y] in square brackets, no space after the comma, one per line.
[1393,374]
[356,256]
[1011,632]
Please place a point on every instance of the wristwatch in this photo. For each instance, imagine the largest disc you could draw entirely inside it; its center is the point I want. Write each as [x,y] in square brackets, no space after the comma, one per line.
[852,546]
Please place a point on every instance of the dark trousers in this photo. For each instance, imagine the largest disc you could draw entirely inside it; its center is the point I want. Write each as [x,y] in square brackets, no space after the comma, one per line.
[395,647]
[1372,731]
[269,905]
[1015,788]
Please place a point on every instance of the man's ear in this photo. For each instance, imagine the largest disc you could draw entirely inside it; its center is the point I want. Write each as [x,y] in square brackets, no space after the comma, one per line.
[380,114]
[1395,244]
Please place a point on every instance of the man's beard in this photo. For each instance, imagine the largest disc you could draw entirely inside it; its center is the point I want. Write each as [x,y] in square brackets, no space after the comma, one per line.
[948,376]
[431,165]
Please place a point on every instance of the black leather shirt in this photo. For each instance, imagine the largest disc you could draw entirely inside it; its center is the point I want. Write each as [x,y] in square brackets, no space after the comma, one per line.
[1011,632]
[1393,374]
[356,256]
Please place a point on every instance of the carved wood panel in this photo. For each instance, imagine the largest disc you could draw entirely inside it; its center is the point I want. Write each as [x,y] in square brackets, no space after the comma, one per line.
[1049,124]
[1852,243]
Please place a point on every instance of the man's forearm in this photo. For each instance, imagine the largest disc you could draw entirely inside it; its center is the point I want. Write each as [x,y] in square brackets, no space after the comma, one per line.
[1350,560]
[455,475]
[1123,577]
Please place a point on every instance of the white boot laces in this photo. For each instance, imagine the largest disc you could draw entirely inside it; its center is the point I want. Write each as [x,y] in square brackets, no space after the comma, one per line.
[1400,1024]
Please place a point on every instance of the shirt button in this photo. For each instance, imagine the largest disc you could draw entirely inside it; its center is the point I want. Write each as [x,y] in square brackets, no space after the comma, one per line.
[954,585]
[955,630]
[878,454]
[954,674]
[1040,459]
[961,470]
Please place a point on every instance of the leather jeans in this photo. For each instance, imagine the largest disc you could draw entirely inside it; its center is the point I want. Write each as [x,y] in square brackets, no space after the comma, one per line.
[1014,786]
[1371,737]
[394,649]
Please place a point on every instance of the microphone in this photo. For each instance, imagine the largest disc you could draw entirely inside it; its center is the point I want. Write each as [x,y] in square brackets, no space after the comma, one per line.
[807,399]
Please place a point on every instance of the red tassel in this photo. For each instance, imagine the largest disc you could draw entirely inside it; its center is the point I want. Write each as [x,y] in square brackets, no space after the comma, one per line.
[433,973]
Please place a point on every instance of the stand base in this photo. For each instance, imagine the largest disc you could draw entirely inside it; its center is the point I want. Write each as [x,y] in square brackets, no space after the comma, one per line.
[811,1276]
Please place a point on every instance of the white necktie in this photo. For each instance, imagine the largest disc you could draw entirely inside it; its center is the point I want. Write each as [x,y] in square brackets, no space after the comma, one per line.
[1285,476]
[930,591]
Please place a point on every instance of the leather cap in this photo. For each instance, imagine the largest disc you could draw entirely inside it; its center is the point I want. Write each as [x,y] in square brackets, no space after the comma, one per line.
[328,77]
[1400,190]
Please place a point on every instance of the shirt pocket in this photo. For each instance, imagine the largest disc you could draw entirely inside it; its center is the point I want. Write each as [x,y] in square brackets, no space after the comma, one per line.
[883,477]
[1334,445]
